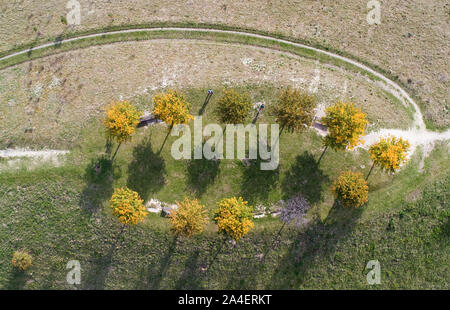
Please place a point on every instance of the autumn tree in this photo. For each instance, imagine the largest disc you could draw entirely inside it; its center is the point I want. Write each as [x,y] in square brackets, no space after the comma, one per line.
[294,110]
[121,121]
[233,107]
[127,206]
[388,153]
[351,189]
[189,219]
[346,125]
[21,260]
[172,108]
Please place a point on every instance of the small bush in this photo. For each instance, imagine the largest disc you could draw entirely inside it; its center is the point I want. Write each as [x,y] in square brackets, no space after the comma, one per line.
[21,260]
[351,189]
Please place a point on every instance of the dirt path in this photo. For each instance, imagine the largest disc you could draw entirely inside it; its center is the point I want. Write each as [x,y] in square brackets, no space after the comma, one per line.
[417,135]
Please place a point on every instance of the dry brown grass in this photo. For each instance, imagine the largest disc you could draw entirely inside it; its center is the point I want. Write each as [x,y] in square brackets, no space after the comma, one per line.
[411,42]
[55,97]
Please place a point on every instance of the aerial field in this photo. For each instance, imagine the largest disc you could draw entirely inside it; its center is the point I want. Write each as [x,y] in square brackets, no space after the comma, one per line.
[60,168]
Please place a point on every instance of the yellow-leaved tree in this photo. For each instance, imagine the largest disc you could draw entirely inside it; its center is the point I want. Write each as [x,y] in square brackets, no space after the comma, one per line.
[127,206]
[346,125]
[172,108]
[351,189]
[294,110]
[189,219]
[121,120]
[388,153]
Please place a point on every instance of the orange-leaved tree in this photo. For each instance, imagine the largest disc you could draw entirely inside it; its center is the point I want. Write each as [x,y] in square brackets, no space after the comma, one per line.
[346,125]
[121,120]
[388,153]
[294,109]
[351,189]
[172,108]
[127,206]
[189,219]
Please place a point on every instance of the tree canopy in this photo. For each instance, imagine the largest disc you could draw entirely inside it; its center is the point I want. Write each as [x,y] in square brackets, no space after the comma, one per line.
[234,217]
[121,120]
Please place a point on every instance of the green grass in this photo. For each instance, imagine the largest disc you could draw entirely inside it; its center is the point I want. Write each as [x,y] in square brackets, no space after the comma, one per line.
[61,214]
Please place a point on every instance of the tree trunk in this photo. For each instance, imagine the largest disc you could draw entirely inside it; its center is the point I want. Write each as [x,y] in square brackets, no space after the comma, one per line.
[323,153]
[115,153]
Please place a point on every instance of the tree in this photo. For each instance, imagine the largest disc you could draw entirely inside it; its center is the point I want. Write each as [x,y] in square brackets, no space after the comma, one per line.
[346,125]
[388,153]
[233,217]
[233,107]
[189,219]
[351,189]
[21,260]
[294,109]
[127,206]
[172,108]
[121,121]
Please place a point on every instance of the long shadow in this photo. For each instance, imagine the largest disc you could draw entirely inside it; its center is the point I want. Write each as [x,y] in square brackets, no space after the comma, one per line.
[256,183]
[99,180]
[96,276]
[201,173]
[305,176]
[147,170]
[318,241]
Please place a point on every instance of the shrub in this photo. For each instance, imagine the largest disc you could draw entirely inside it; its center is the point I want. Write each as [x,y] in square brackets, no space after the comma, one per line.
[189,219]
[351,189]
[389,153]
[346,125]
[127,206]
[21,260]
[121,120]
[233,107]
[294,109]
[234,217]
[172,108]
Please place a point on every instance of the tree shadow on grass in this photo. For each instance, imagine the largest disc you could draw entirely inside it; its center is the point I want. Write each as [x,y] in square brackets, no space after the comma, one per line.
[146,172]
[257,184]
[99,184]
[156,275]
[95,277]
[319,241]
[305,176]
[201,173]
